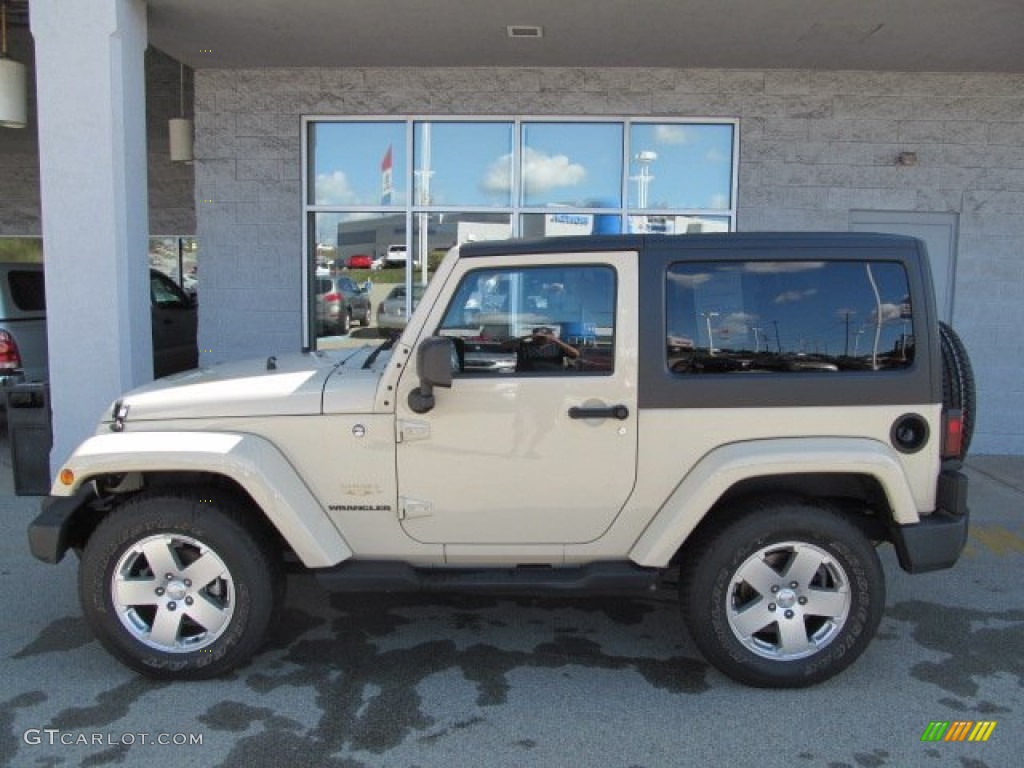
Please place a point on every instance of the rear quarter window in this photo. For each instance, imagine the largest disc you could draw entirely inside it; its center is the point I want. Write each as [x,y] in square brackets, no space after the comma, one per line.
[28,290]
[794,317]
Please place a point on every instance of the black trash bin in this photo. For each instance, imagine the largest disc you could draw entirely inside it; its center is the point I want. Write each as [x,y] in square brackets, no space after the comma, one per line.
[30,435]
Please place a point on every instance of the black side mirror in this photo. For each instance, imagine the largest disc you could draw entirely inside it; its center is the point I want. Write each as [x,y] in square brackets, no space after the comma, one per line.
[434,363]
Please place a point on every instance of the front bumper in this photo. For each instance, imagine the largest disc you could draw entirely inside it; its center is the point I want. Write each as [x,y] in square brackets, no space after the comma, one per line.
[58,525]
[936,542]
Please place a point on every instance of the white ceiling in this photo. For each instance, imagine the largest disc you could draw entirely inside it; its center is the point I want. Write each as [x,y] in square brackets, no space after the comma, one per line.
[899,35]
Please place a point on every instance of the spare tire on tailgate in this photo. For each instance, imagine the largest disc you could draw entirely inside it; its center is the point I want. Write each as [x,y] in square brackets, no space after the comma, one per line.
[958,389]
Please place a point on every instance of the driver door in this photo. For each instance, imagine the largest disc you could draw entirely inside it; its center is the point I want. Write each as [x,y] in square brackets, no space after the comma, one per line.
[507,456]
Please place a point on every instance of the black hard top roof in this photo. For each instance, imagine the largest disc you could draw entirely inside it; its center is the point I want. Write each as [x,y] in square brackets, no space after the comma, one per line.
[722,240]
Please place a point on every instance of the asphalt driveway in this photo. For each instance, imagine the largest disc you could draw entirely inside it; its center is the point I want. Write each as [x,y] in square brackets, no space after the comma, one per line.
[425,680]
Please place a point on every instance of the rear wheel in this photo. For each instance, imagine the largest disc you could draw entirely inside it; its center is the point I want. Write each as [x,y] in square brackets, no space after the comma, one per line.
[786,595]
[177,586]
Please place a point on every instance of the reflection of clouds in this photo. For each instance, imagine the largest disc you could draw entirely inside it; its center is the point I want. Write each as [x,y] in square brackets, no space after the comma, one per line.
[788,296]
[886,312]
[719,202]
[334,188]
[778,267]
[690,281]
[715,156]
[671,134]
[737,323]
[540,172]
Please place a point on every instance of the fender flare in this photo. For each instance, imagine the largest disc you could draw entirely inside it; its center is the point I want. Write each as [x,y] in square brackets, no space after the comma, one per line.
[728,465]
[249,460]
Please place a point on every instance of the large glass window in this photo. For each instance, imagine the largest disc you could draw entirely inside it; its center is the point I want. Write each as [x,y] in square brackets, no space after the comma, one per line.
[401,192]
[358,163]
[788,316]
[577,165]
[676,166]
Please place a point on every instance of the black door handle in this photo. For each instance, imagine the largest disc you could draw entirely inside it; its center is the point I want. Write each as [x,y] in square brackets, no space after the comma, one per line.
[619,412]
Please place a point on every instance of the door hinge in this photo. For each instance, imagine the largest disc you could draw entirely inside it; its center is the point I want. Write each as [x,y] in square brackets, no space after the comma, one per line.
[409,430]
[410,508]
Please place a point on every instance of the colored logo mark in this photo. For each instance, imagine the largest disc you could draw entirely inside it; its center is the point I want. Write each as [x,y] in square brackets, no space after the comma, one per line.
[958,730]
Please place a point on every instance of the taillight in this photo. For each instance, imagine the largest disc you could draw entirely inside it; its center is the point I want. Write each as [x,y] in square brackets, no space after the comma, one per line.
[953,434]
[10,357]
[332,297]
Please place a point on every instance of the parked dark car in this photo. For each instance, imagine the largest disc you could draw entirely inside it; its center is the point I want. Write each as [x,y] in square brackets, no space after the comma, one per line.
[23,349]
[174,326]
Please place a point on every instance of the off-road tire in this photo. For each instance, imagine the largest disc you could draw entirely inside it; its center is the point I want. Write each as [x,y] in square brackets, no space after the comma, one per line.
[715,594]
[958,387]
[180,528]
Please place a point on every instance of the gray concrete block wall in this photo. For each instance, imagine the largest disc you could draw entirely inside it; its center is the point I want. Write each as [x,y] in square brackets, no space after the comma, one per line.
[813,146]
[171,185]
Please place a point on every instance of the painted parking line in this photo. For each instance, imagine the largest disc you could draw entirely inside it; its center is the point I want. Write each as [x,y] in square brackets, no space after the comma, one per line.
[993,540]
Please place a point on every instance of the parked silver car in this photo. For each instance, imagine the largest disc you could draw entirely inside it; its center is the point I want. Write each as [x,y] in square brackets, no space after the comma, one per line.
[22,323]
[391,314]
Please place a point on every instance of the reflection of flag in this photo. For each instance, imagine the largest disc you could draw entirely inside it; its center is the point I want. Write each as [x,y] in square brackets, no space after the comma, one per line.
[385,178]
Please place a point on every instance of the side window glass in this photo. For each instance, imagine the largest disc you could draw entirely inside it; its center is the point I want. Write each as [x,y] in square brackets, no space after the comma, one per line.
[788,317]
[164,293]
[535,320]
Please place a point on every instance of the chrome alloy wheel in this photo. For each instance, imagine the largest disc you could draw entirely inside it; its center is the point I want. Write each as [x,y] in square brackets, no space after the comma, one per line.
[173,593]
[788,601]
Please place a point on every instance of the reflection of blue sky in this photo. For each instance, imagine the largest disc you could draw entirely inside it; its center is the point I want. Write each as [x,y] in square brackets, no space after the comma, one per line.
[572,164]
[693,168]
[347,162]
[471,163]
[812,306]
[563,163]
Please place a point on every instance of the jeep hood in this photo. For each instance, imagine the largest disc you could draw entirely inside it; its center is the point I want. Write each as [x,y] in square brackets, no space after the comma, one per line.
[283,385]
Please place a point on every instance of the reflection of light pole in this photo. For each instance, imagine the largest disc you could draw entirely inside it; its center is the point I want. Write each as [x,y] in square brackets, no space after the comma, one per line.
[644,178]
[424,175]
[757,339]
[711,341]
[856,341]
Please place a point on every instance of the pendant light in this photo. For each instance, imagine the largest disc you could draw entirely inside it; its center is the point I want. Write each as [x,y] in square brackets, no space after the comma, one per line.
[179,129]
[13,83]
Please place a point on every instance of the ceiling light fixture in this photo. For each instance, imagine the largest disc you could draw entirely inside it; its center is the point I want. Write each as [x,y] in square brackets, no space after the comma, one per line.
[13,83]
[179,129]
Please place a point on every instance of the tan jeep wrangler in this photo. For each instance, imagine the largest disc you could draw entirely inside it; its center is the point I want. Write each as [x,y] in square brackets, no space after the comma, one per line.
[758,411]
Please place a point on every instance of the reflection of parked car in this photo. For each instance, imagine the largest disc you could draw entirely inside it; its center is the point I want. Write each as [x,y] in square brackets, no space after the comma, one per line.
[359,261]
[332,314]
[357,299]
[397,256]
[23,350]
[391,317]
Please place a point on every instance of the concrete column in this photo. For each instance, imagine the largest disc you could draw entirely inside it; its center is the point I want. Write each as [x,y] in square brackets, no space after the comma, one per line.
[92,151]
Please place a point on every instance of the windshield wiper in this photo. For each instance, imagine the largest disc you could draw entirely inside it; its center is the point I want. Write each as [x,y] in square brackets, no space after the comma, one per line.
[389,342]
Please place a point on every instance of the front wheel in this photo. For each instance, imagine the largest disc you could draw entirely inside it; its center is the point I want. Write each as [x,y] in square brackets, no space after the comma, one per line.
[786,595]
[178,586]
